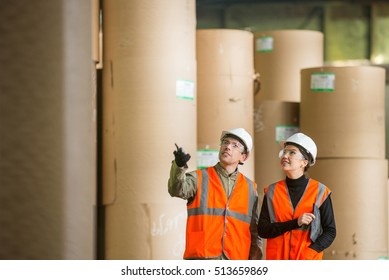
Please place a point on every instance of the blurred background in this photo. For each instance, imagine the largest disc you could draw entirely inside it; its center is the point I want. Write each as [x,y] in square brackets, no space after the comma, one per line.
[95,93]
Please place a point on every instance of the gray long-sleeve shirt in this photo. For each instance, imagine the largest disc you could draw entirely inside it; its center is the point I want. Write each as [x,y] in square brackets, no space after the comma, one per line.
[183,184]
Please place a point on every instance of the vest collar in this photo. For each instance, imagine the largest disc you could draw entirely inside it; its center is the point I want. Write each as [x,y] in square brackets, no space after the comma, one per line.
[224,173]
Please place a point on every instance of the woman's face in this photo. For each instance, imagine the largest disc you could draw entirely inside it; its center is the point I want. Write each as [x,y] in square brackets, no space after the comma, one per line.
[291,159]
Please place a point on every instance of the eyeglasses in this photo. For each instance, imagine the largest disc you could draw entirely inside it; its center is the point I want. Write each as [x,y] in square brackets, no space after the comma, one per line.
[234,145]
[291,154]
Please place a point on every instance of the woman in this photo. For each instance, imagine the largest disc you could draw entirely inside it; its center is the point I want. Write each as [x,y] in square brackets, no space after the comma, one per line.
[297,217]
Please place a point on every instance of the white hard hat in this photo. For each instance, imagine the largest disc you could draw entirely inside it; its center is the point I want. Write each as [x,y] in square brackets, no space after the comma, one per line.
[243,135]
[305,142]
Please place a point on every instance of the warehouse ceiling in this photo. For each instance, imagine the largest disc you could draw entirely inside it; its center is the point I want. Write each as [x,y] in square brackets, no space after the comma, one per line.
[230,2]
[355,30]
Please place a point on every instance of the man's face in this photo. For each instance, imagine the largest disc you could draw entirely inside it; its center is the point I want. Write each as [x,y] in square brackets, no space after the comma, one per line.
[231,151]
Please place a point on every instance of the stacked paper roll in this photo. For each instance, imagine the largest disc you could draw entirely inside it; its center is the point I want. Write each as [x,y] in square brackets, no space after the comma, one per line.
[274,122]
[359,197]
[343,110]
[279,56]
[48,132]
[149,104]
[225,78]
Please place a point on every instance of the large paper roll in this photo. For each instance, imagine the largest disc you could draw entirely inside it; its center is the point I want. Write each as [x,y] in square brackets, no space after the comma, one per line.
[279,57]
[225,87]
[343,110]
[47,131]
[359,196]
[149,104]
[274,121]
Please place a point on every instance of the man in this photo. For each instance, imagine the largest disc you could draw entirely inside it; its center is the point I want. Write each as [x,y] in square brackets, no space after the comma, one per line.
[297,216]
[222,204]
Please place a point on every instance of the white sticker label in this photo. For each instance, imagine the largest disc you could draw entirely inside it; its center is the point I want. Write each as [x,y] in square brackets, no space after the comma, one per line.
[323,82]
[207,158]
[283,132]
[264,44]
[185,89]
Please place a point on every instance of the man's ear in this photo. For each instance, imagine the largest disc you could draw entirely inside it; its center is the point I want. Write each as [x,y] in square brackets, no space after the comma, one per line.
[244,157]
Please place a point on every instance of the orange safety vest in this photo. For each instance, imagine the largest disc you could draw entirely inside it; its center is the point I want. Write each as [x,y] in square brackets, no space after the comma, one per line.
[219,224]
[293,245]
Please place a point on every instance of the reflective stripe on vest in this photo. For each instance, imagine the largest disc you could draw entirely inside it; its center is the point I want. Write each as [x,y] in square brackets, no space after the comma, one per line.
[294,244]
[322,195]
[204,210]
[219,224]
